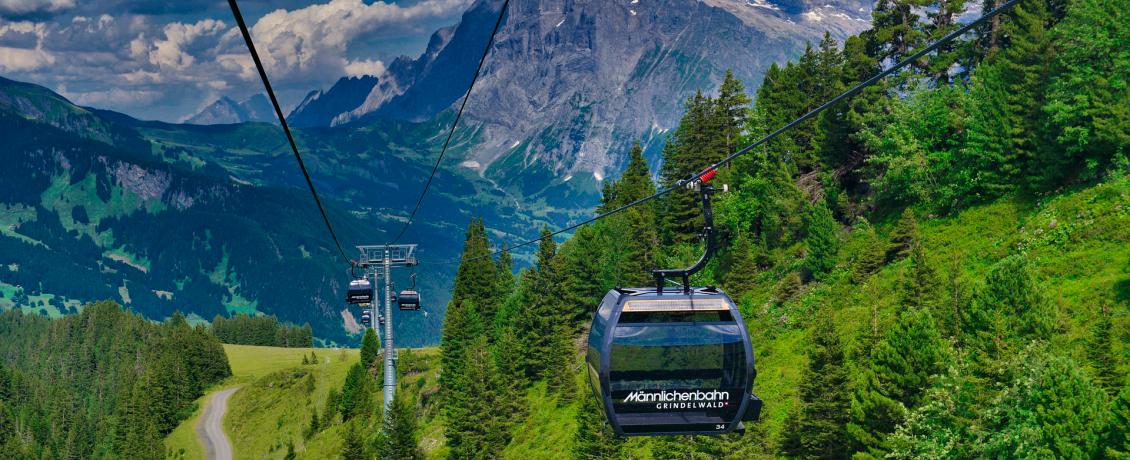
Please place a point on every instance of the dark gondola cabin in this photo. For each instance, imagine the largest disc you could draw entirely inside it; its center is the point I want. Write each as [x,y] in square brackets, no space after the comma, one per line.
[360,291]
[409,300]
[366,318]
[671,362]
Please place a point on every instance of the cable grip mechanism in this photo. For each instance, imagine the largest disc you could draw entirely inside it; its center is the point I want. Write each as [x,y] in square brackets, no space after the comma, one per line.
[702,187]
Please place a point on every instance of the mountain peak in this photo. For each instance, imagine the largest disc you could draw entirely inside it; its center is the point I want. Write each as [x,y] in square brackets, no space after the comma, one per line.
[226,110]
[320,107]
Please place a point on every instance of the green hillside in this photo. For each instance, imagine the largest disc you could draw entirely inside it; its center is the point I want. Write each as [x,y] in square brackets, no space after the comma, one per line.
[1081,262]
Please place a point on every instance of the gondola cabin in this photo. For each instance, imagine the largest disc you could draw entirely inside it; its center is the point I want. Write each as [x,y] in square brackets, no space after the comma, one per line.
[366,318]
[360,291]
[671,362]
[409,300]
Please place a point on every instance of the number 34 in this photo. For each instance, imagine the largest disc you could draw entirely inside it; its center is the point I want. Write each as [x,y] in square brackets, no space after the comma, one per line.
[720,427]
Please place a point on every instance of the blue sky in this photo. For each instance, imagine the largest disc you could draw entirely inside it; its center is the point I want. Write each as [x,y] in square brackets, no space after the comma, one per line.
[165,60]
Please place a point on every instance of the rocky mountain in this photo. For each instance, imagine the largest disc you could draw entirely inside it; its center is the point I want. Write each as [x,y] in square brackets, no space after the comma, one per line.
[227,111]
[319,108]
[570,84]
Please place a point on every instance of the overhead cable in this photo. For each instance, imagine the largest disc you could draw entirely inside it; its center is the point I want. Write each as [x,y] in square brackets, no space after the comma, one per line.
[285,127]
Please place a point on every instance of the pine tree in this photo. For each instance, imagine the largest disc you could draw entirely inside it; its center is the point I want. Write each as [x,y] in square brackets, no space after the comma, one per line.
[1086,113]
[1102,357]
[505,278]
[356,393]
[896,376]
[314,426]
[822,241]
[476,279]
[1009,310]
[634,230]
[585,260]
[922,286]
[476,428]
[333,404]
[1009,91]
[870,253]
[817,429]
[1118,431]
[353,447]
[399,440]
[685,154]
[461,326]
[370,348]
[542,324]
[741,277]
[138,435]
[594,438]
[731,110]
[895,32]
[1050,410]
[904,236]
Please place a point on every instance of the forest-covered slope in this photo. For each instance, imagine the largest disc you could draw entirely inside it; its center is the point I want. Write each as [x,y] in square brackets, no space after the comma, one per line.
[1076,248]
[104,383]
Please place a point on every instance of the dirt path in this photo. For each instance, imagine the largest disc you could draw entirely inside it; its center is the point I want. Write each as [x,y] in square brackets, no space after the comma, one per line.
[210,429]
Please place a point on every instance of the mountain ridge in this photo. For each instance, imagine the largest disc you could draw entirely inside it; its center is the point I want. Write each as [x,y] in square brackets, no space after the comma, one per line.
[227,111]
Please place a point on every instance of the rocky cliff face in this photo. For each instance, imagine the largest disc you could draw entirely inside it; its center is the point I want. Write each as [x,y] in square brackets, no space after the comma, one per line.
[570,84]
[319,108]
[227,111]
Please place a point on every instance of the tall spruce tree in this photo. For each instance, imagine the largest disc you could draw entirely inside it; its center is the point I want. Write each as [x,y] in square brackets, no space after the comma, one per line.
[1117,443]
[1087,112]
[370,347]
[904,236]
[399,440]
[585,260]
[543,323]
[353,446]
[683,155]
[922,285]
[1008,311]
[1050,410]
[822,241]
[1009,91]
[356,393]
[817,428]
[895,378]
[1101,354]
[637,237]
[476,428]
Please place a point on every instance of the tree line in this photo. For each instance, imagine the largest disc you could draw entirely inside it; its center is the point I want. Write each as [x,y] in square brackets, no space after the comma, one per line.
[263,330]
[104,383]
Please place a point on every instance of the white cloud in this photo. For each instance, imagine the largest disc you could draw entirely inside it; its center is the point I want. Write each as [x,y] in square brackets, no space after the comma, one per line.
[21,7]
[20,58]
[172,53]
[123,61]
[364,67]
[23,60]
[117,96]
[310,41]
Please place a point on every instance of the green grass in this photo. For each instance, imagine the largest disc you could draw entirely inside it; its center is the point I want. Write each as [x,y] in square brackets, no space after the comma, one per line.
[250,363]
[274,408]
[258,370]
